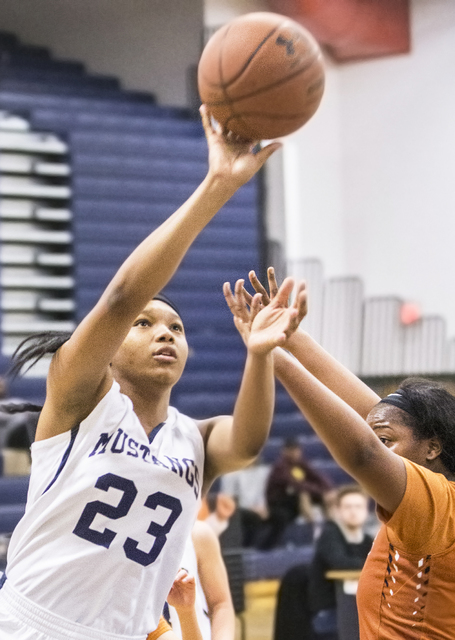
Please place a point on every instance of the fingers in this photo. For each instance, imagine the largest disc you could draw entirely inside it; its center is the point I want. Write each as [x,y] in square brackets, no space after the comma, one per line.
[273,285]
[258,287]
[206,121]
[256,305]
[264,154]
[283,293]
[248,297]
[229,297]
[301,302]
[241,308]
[181,575]
[237,301]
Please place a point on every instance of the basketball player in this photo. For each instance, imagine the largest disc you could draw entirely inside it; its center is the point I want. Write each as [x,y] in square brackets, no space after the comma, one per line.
[117,474]
[403,455]
[182,596]
[215,612]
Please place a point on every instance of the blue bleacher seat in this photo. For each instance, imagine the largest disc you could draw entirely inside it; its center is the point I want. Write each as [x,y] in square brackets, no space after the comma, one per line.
[297,534]
[223,381]
[290,425]
[9,517]
[267,565]
[61,77]
[149,213]
[58,121]
[124,102]
[13,490]
[58,88]
[331,469]
[205,360]
[132,166]
[33,389]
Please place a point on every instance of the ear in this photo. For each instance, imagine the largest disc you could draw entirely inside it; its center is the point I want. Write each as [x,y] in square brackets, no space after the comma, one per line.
[434,448]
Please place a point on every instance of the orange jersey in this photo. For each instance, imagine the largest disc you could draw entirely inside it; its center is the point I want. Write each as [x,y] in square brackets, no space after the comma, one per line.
[162,627]
[407,587]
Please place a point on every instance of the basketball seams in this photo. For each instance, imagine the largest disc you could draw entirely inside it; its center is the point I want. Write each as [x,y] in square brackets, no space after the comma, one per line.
[273,85]
[250,59]
[251,98]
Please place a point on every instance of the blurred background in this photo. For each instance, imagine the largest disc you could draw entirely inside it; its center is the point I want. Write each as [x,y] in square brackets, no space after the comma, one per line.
[100,141]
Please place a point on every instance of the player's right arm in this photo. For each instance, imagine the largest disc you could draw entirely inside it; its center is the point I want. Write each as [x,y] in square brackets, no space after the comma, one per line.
[79,375]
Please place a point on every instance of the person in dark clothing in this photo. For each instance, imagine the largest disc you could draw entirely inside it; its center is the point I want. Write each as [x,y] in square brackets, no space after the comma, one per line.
[342,545]
[306,604]
[293,487]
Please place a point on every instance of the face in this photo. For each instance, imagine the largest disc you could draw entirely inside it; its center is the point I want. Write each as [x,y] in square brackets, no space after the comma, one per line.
[293,454]
[155,347]
[384,419]
[352,510]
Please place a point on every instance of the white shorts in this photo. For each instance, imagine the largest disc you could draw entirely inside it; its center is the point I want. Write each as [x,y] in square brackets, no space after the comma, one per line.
[21,619]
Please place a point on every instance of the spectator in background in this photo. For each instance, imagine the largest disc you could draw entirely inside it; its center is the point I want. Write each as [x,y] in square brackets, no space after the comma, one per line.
[306,604]
[343,544]
[247,488]
[293,487]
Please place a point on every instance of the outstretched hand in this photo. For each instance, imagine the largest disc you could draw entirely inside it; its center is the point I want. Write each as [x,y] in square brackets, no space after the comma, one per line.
[183,591]
[266,327]
[231,157]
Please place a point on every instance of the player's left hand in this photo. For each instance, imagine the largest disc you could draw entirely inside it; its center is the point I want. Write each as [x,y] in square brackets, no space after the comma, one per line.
[182,595]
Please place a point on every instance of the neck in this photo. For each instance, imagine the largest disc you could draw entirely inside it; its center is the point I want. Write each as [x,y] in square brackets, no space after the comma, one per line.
[352,534]
[439,467]
[150,405]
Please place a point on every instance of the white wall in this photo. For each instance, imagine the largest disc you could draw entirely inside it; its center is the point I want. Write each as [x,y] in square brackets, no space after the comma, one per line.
[372,175]
[149,44]
[398,141]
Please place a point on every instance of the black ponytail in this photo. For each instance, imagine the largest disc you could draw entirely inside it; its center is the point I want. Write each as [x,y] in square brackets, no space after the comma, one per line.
[34,348]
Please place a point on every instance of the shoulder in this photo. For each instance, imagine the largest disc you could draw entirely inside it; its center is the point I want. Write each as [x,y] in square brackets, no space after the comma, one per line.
[203,534]
[429,503]
[206,544]
[331,529]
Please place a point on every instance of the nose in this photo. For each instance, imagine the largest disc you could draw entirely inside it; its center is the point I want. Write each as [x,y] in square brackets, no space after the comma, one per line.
[164,334]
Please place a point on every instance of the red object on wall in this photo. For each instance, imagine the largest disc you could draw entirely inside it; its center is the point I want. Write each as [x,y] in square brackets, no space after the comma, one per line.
[353,29]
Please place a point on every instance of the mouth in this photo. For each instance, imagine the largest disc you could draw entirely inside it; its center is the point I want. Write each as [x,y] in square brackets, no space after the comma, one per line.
[165,354]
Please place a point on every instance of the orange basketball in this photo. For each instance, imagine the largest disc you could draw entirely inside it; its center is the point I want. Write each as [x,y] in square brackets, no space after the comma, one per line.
[261,76]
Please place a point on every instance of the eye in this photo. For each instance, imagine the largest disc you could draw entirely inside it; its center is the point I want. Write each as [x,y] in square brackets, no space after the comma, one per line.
[177,327]
[384,440]
[142,322]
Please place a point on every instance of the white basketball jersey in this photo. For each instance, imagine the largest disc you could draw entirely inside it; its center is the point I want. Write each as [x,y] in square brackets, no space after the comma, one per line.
[108,513]
[189,562]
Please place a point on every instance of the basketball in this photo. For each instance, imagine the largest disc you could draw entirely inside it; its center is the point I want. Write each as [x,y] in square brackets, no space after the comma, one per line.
[261,76]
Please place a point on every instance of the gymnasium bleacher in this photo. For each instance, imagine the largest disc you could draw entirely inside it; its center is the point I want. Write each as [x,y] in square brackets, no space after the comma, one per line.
[122,164]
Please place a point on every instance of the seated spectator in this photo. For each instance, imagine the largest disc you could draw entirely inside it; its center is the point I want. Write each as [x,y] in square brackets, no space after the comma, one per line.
[343,544]
[306,605]
[293,488]
[247,488]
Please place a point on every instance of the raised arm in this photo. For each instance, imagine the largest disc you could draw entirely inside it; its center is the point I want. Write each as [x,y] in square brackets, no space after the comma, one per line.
[214,582]
[347,436]
[321,364]
[182,597]
[79,375]
[345,433]
[234,442]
